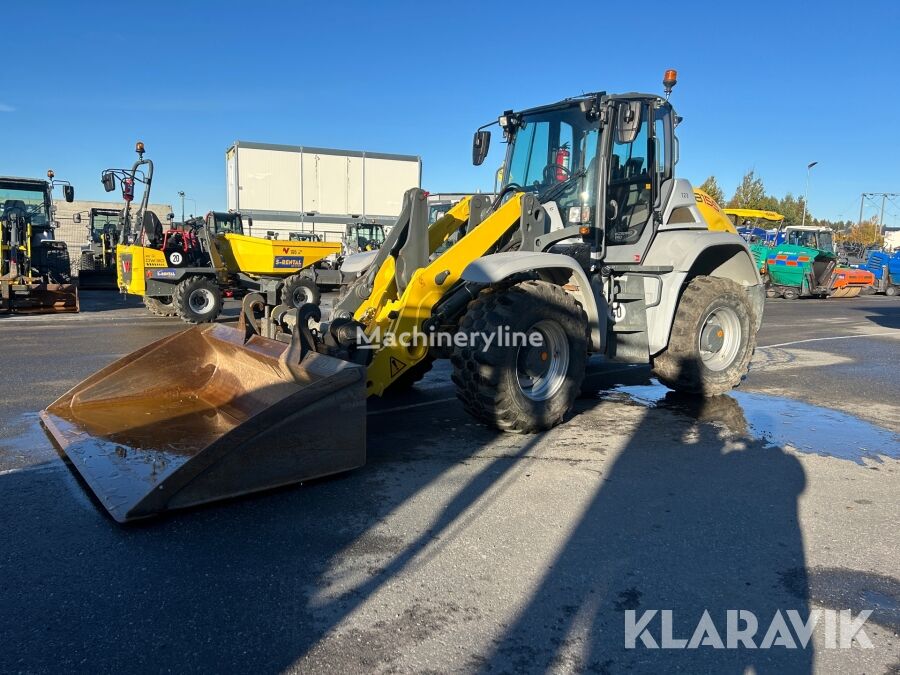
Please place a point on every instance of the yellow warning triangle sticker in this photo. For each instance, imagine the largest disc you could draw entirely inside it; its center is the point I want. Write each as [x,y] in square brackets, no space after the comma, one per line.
[396,366]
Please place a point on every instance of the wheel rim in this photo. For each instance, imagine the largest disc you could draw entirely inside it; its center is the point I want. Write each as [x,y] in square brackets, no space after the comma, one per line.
[720,338]
[301,295]
[541,371]
[201,300]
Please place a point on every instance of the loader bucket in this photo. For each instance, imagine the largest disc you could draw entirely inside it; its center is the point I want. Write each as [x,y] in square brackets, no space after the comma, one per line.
[24,297]
[97,280]
[203,415]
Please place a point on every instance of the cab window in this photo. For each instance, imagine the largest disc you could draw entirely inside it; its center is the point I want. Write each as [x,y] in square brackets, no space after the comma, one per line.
[629,193]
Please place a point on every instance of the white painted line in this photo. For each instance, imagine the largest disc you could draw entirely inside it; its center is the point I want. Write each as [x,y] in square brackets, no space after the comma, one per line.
[81,317]
[411,406]
[895,333]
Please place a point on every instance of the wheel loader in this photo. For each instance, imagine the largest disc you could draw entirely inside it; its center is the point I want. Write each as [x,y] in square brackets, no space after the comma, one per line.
[608,254]
[35,273]
[97,264]
[186,271]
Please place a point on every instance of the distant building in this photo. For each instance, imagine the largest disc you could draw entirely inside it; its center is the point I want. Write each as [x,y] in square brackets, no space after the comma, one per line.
[891,238]
[76,234]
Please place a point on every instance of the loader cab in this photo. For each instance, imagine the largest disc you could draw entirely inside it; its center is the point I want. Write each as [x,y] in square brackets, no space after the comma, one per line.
[104,225]
[25,221]
[603,160]
[225,223]
[30,196]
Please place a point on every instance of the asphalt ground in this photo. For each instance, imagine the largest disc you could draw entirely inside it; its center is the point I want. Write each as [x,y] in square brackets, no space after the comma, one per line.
[457,548]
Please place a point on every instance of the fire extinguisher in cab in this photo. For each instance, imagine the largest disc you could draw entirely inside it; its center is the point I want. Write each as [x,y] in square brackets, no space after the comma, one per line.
[562,160]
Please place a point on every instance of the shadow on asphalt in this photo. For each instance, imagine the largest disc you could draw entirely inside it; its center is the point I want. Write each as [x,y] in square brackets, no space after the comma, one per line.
[886,315]
[682,521]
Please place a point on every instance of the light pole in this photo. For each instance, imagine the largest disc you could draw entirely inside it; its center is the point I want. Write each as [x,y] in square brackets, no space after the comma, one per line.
[806,198]
[181,194]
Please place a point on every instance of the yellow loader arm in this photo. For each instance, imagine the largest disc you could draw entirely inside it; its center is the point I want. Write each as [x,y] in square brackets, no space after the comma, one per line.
[393,317]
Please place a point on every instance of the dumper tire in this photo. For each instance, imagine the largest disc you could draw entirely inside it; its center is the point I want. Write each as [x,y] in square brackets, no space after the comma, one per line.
[87,263]
[197,299]
[710,308]
[891,290]
[300,290]
[790,293]
[489,381]
[160,307]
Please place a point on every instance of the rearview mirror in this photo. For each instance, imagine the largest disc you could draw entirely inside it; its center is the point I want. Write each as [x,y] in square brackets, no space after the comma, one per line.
[628,121]
[69,193]
[480,146]
[108,179]
[76,218]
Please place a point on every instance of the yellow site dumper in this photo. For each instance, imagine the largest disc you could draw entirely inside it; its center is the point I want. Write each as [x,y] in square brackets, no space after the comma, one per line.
[186,271]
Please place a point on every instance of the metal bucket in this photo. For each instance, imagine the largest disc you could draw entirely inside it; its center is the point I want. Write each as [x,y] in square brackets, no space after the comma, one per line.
[97,280]
[27,297]
[203,415]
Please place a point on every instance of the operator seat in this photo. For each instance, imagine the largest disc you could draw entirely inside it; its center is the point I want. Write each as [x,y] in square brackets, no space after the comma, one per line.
[13,205]
[153,229]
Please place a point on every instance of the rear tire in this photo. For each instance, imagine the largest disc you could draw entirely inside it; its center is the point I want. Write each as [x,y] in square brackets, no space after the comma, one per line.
[790,293]
[160,307]
[197,300]
[890,290]
[298,291]
[87,263]
[519,388]
[712,339]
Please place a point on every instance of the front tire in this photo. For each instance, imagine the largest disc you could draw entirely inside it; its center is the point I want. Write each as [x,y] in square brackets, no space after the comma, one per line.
[197,300]
[711,341]
[891,290]
[522,388]
[298,291]
[160,306]
[87,263]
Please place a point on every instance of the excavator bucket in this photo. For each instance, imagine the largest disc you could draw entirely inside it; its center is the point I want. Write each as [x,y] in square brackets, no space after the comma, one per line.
[35,297]
[207,414]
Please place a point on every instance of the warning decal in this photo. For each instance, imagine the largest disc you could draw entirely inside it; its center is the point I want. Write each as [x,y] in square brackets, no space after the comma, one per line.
[396,366]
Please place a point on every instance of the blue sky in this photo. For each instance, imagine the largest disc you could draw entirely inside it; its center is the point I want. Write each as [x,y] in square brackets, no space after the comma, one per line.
[763,85]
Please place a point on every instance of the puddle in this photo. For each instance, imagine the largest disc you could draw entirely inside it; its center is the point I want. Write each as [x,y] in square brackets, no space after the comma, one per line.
[24,444]
[780,421]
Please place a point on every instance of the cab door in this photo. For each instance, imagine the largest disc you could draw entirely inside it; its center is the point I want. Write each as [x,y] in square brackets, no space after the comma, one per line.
[633,175]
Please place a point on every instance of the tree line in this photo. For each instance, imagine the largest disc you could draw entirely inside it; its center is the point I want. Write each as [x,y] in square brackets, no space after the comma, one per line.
[751,194]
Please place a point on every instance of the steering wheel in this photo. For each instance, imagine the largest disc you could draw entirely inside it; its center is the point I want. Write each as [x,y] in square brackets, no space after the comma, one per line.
[549,174]
[507,192]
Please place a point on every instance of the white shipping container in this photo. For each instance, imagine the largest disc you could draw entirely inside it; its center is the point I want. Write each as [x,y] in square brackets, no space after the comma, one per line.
[287,188]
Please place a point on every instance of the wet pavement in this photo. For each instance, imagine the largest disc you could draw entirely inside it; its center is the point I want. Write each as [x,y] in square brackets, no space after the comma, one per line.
[460,549]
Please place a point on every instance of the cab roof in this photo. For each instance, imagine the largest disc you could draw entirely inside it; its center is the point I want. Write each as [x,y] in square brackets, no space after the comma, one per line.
[33,183]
